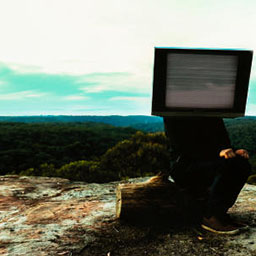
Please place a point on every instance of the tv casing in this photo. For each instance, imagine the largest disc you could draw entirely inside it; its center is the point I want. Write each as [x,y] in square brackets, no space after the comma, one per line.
[159,107]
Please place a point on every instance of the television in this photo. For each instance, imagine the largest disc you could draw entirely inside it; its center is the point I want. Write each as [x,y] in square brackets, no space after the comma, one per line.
[200,82]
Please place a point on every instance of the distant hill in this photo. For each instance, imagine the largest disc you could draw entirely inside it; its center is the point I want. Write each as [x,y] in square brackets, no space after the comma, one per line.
[115,120]
[139,122]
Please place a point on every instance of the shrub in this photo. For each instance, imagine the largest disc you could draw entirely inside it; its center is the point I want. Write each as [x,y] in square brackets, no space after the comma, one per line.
[47,170]
[83,170]
[143,154]
[252,179]
[30,172]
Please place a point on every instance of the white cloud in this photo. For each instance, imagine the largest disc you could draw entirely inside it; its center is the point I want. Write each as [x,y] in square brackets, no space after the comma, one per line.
[124,82]
[21,95]
[94,89]
[137,99]
[23,69]
[75,97]
[85,36]
[133,105]
[82,37]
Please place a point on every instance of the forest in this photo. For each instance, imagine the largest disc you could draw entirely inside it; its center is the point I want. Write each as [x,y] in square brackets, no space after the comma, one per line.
[28,145]
[97,152]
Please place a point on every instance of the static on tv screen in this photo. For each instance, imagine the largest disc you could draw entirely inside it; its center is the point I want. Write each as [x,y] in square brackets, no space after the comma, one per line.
[200,80]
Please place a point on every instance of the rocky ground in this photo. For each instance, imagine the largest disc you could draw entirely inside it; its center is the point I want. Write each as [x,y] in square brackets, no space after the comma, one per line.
[53,216]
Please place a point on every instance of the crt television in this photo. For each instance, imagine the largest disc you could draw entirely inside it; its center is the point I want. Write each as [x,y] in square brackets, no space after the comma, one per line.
[200,82]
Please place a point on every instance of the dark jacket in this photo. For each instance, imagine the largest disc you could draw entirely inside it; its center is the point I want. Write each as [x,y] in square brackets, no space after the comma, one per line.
[196,138]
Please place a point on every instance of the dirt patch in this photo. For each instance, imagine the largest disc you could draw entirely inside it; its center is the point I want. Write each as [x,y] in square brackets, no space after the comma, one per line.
[120,239]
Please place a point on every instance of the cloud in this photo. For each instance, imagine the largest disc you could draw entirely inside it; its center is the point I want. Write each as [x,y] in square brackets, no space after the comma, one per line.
[44,93]
[14,81]
[137,99]
[132,104]
[76,97]
[23,69]
[114,81]
[94,88]
[22,95]
[29,78]
[105,35]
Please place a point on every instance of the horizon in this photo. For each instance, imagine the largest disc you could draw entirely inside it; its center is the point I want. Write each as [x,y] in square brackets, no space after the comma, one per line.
[112,116]
[78,115]
[96,57]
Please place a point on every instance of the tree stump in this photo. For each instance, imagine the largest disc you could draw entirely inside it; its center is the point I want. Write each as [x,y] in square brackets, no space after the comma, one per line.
[155,201]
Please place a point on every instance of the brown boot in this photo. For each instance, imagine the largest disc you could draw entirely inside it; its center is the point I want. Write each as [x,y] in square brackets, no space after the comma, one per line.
[218,226]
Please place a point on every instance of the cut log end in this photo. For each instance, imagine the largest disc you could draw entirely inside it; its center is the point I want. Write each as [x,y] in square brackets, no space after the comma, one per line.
[129,192]
[145,201]
[155,201]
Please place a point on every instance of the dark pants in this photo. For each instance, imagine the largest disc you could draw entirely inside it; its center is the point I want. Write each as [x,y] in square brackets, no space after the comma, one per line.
[218,182]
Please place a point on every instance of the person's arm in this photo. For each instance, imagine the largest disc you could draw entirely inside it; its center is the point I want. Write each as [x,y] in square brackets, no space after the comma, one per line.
[226,149]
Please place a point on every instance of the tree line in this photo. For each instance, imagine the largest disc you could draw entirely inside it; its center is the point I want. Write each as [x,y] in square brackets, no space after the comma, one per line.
[29,145]
[94,152]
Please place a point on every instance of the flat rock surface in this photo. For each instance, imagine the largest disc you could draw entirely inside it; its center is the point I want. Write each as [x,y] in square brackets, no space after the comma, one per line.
[53,216]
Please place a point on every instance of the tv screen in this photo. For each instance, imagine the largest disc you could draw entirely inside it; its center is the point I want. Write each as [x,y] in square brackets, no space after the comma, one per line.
[200,82]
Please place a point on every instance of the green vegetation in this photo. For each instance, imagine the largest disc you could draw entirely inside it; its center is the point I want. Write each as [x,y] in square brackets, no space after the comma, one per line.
[24,146]
[141,155]
[242,132]
[95,152]
[252,179]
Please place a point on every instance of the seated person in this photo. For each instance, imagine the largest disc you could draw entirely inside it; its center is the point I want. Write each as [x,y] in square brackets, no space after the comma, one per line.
[204,163]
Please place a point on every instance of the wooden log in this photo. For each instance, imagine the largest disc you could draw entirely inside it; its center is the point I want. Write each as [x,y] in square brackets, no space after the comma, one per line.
[155,201]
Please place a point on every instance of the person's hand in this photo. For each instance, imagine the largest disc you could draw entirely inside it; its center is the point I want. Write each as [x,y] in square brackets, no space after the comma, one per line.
[242,152]
[227,153]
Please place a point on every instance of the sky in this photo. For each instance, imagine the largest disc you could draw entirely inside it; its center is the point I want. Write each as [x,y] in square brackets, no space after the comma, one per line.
[95,57]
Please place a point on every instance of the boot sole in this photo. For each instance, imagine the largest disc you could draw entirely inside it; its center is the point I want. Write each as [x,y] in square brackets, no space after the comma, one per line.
[221,232]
